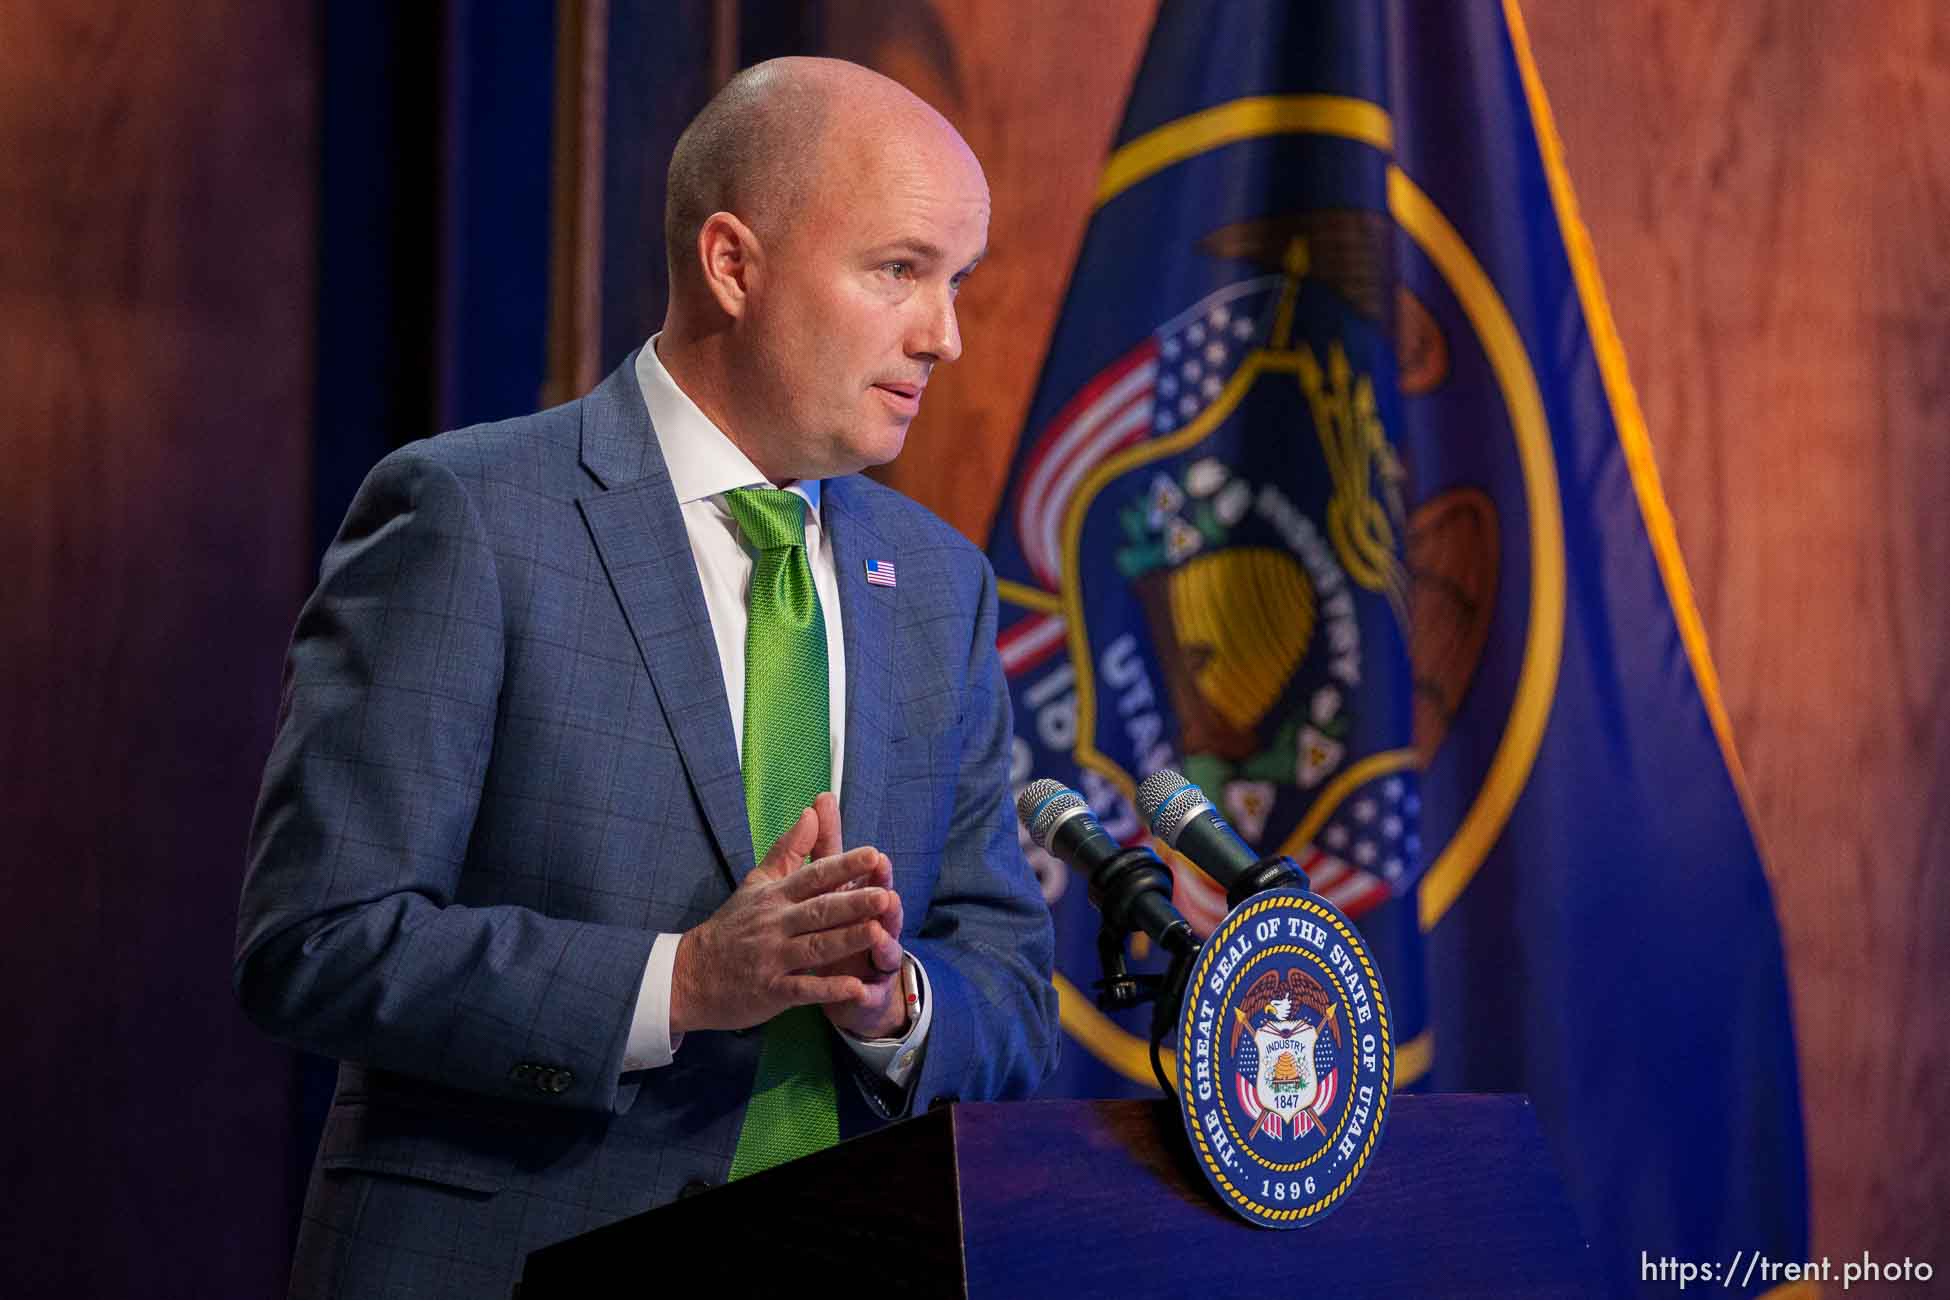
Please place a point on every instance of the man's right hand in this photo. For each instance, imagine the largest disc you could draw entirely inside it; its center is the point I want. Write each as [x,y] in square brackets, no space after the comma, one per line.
[750,960]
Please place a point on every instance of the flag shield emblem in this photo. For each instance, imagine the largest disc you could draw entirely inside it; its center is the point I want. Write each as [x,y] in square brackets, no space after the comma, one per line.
[1284,1049]
[1255,583]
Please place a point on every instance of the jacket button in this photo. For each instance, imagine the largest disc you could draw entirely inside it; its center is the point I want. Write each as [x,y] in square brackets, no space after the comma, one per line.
[521,1073]
[693,1187]
[559,1081]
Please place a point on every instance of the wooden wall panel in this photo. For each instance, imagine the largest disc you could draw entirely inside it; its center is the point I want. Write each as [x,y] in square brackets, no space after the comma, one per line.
[1768,187]
[155,295]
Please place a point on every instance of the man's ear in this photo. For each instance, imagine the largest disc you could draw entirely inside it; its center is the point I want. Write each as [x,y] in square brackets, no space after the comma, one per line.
[728,254]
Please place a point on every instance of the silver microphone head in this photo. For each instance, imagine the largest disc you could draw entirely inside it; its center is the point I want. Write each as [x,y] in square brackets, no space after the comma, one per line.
[1042,805]
[1168,801]
[1031,796]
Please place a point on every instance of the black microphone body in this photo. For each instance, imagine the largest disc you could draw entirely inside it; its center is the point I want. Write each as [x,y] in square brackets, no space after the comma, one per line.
[1130,887]
[1131,890]
[1181,816]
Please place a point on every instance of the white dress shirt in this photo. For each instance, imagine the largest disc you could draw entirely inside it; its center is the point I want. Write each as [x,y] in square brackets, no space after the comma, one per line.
[704,464]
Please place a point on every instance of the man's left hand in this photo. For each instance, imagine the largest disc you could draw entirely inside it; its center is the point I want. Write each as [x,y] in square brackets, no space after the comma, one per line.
[880,1011]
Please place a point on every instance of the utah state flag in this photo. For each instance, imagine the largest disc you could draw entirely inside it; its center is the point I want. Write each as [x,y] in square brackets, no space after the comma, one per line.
[1334,495]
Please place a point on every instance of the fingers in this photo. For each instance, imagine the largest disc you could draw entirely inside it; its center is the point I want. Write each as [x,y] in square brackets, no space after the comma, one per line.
[886,953]
[884,878]
[811,925]
[877,1012]
[826,812]
[828,874]
[800,837]
[831,911]
[791,848]
[824,947]
[811,990]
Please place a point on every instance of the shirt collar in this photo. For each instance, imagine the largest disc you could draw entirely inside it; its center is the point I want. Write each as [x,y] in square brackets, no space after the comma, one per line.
[703,462]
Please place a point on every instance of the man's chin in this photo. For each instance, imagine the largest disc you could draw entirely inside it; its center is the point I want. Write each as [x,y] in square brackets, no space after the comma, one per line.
[864,450]
[889,447]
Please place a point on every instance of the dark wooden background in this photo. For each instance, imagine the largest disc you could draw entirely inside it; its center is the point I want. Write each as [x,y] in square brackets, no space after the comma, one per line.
[156,246]
[1768,187]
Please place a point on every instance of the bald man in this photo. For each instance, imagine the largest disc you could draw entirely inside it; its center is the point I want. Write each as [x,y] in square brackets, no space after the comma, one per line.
[638,816]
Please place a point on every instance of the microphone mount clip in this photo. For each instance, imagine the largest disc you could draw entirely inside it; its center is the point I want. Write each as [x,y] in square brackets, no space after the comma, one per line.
[1277,872]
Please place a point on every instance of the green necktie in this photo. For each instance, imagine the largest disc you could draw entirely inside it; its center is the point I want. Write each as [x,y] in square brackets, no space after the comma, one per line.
[787,761]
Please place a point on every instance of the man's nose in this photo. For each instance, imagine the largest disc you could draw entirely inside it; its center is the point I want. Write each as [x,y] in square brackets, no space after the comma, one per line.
[937,334]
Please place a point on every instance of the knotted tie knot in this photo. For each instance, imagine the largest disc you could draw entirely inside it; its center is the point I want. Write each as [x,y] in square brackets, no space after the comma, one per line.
[770,518]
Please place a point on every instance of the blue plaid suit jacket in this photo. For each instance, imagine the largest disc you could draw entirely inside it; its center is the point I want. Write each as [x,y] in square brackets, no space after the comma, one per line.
[504,761]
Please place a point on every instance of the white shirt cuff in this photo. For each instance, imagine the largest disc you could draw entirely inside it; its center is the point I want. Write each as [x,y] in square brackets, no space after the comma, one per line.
[896,1059]
[650,1045]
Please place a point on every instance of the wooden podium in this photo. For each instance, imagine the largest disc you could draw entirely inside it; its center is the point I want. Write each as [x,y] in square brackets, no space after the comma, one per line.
[1101,1198]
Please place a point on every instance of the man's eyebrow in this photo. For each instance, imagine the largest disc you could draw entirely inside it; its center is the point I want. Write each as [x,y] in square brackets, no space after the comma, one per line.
[920,248]
[925,251]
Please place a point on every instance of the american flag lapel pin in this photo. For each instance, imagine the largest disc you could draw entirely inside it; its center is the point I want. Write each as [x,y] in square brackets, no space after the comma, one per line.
[880,572]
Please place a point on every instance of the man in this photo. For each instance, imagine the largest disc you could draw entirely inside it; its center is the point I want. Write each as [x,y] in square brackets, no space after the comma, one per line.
[546,852]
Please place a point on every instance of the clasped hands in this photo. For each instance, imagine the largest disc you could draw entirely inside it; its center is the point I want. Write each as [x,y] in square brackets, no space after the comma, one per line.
[809,926]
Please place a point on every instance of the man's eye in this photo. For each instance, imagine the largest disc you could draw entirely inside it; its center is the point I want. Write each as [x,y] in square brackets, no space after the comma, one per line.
[899,270]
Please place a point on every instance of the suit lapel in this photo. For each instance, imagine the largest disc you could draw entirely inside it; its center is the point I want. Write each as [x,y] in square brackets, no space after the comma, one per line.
[867,632]
[639,533]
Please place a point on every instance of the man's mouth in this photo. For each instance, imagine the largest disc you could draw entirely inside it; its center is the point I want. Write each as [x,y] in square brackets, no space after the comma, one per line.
[902,397]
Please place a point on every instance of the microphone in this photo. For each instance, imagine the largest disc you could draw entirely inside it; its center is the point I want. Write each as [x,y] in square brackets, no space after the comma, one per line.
[1129,886]
[1181,816]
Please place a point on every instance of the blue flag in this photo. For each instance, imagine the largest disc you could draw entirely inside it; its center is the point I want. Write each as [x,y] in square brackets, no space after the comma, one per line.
[1334,494]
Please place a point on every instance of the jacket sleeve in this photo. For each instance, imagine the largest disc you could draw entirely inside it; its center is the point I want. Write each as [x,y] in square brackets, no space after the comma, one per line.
[988,941]
[350,942]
